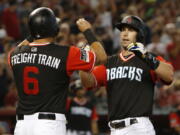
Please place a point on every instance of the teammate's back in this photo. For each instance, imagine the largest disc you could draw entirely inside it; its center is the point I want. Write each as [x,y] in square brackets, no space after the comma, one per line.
[42,69]
[41,77]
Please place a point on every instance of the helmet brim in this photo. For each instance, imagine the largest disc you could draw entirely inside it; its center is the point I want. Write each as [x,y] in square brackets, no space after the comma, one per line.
[122,25]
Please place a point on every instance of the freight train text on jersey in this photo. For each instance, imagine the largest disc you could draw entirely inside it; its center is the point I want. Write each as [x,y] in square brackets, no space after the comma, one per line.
[34,58]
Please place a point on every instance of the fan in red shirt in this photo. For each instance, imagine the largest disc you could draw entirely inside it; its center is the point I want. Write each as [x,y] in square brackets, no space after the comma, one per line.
[11,20]
[173,50]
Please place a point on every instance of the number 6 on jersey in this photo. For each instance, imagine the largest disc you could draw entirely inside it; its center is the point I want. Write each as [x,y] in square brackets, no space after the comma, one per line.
[30,80]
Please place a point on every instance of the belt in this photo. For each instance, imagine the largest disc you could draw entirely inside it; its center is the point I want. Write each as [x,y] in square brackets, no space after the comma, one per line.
[122,124]
[40,116]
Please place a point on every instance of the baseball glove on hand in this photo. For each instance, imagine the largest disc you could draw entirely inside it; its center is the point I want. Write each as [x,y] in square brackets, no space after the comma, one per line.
[140,51]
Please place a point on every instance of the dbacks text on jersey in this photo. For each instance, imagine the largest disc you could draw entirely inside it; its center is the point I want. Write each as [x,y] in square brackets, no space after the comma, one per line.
[132,73]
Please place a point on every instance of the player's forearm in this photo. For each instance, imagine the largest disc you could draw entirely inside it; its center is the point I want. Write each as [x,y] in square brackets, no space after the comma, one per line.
[165,72]
[100,53]
[85,27]
[96,46]
[87,79]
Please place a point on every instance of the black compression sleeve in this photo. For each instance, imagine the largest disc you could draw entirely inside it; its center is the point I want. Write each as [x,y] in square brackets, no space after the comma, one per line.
[151,60]
[90,36]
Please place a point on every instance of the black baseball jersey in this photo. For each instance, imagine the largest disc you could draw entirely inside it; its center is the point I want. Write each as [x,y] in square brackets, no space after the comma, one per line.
[82,113]
[130,86]
[41,73]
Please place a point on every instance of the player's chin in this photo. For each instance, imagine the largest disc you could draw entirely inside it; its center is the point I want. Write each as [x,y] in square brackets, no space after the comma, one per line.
[125,44]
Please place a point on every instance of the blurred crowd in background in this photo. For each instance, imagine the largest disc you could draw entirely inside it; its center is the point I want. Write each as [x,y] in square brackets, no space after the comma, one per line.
[162,18]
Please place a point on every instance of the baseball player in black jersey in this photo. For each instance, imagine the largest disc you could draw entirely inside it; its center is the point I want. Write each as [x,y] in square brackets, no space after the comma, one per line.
[81,110]
[41,71]
[129,77]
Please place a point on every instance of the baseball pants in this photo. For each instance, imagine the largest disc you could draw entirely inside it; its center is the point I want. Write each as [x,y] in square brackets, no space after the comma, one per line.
[142,127]
[34,125]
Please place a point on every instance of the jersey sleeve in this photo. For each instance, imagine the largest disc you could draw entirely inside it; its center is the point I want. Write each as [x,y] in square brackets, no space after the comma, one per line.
[94,115]
[9,57]
[153,74]
[100,75]
[79,59]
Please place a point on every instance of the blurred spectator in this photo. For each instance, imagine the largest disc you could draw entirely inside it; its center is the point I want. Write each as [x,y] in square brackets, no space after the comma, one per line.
[168,97]
[11,21]
[3,82]
[3,32]
[64,34]
[173,50]
[178,22]
[3,35]
[81,40]
[4,128]
[156,46]
[175,121]
[102,109]
[11,97]
[81,110]
[24,11]
[166,37]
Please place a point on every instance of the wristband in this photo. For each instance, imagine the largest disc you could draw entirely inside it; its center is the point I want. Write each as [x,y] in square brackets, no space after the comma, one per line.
[151,60]
[89,36]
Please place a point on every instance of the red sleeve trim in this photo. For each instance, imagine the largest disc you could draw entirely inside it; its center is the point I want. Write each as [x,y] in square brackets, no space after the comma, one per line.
[100,75]
[162,59]
[79,59]
[94,115]
[9,57]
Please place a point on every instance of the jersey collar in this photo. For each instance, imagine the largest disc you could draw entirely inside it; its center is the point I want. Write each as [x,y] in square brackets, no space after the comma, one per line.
[39,44]
[124,58]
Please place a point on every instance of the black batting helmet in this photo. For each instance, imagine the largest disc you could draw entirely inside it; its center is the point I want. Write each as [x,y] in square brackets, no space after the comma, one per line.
[135,23]
[43,23]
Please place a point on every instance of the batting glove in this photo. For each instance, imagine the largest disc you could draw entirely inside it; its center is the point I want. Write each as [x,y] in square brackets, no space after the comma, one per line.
[147,57]
[137,48]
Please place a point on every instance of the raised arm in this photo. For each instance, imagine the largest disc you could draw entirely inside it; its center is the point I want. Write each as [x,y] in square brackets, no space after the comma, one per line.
[87,79]
[163,69]
[165,72]
[85,27]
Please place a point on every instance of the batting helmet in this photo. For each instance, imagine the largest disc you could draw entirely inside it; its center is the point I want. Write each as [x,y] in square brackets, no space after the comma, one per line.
[43,23]
[135,23]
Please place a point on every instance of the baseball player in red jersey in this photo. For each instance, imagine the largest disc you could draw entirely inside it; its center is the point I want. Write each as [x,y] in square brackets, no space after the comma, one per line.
[129,77]
[41,71]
